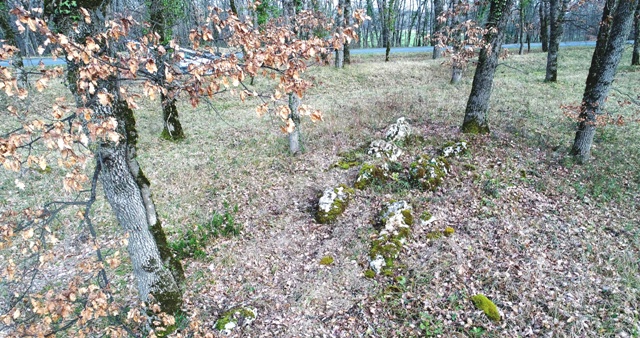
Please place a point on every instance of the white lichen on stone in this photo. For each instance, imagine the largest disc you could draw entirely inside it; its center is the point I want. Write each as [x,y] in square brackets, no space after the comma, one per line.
[379,148]
[332,203]
[377,264]
[455,149]
[328,197]
[398,131]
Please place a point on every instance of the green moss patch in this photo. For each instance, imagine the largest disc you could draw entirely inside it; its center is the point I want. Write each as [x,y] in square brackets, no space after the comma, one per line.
[326,260]
[332,204]
[448,231]
[396,220]
[236,317]
[428,173]
[368,174]
[487,306]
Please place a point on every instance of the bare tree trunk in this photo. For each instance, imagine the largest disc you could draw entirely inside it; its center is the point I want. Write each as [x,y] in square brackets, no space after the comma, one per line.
[126,188]
[172,128]
[294,136]
[475,116]
[557,10]
[606,57]
[522,27]
[438,9]
[635,56]
[544,24]
[339,61]
[347,22]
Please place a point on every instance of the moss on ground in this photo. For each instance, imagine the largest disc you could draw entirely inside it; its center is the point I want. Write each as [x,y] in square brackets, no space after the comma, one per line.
[239,316]
[487,306]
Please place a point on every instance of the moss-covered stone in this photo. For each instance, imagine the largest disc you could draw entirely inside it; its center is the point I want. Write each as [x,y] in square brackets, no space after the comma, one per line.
[350,159]
[332,204]
[454,149]
[487,306]
[428,173]
[369,173]
[448,231]
[370,273]
[326,260]
[236,317]
[398,131]
[396,220]
[382,148]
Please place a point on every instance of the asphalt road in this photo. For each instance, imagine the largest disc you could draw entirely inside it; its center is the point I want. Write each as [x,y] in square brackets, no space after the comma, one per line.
[60,61]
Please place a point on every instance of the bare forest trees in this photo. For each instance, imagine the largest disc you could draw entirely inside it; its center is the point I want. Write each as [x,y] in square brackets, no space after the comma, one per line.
[615,27]
[475,116]
[543,10]
[438,24]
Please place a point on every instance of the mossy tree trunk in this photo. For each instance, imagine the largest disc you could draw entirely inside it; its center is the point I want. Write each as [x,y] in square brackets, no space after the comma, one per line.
[294,137]
[438,9]
[557,10]
[475,116]
[544,24]
[635,56]
[614,29]
[10,39]
[157,271]
[162,14]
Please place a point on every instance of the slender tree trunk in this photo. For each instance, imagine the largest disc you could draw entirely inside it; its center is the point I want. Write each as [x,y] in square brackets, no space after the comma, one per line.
[234,9]
[606,57]
[635,56]
[10,39]
[557,9]
[438,9]
[544,24]
[347,22]
[172,128]
[475,116]
[339,61]
[522,27]
[294,136]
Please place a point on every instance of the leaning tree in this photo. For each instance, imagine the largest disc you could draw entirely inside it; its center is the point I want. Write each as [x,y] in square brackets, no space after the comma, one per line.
[615,27]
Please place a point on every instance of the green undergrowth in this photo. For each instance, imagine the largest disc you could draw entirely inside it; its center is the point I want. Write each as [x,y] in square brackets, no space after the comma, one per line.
[192,242]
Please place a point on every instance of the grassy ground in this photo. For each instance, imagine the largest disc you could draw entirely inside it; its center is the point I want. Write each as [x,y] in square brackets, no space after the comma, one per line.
[554,245]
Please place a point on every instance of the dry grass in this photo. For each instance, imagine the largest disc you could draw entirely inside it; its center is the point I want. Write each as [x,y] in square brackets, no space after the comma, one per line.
[554,245]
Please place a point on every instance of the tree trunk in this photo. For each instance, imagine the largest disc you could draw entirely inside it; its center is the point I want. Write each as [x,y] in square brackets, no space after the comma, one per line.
[347,22]
[438,9]
[557,8]
[456,73]
[126,189]
[606,57]
[544,24]
[475,116]
[172,128]
[522,27]
[294,136]
[339,61]
[635,56]
[10,39]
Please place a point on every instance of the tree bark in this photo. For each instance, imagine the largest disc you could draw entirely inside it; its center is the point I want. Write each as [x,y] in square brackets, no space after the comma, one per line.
[635,56]
[294,136]
[544,24]
[613,32]
[475,116]
[438,9]
[522,27]
[347,22]
[557,9]
[172,128]
[339,61]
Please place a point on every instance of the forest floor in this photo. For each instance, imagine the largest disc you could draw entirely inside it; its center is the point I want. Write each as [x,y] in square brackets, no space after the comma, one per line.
[555,245]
